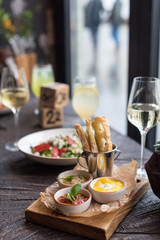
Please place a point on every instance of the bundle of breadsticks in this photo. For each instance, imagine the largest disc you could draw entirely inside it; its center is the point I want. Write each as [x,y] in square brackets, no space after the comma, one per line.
[96,137]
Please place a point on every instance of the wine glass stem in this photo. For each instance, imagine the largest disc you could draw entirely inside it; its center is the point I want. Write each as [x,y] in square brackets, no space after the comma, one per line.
[16,124]
[143,141]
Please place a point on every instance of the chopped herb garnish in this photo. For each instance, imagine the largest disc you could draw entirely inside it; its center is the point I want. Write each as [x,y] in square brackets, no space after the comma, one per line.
[68,179]
[80,176]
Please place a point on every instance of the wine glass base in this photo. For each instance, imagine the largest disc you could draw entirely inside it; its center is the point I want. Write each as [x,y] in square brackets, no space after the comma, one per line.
[36,111]
[142,173]
[11,146]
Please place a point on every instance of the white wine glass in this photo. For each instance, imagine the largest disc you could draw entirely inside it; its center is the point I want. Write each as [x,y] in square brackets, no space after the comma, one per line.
[144,110]
[41,74]
[85,97]
[14,94]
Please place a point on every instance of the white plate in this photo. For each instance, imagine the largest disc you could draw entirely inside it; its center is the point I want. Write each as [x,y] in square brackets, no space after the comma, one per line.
[36,138]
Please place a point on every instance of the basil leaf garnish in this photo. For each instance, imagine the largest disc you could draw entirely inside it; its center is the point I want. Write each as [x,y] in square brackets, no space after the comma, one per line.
[74,192]
[75,189]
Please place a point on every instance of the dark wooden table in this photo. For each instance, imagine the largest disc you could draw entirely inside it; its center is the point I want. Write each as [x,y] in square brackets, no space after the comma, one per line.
[21,181]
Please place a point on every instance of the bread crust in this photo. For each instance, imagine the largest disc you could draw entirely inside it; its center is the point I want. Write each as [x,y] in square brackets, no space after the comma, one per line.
[82,137]
[91,136]
[102,134]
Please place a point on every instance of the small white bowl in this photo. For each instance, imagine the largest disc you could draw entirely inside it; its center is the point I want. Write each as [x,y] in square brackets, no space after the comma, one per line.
[106,197]
[72,209]
[73,173]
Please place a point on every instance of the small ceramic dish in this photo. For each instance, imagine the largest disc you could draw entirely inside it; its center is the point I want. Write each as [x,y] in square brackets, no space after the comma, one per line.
[72,210]
[77,177]
[115,192]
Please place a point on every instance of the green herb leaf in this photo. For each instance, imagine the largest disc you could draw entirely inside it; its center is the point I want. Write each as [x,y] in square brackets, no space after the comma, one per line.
[75,190]
[68,179]
[69,196]
[47,153]
[80,176]
[32,149]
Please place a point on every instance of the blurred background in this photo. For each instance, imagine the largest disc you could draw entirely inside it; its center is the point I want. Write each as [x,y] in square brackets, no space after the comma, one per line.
[114,40]
[106,44]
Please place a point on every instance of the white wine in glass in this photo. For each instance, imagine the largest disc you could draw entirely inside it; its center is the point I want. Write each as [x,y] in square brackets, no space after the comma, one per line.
[41,74]
[14,94]
[85,97]
[144,109]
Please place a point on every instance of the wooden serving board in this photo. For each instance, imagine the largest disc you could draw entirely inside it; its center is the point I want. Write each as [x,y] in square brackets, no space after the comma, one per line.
[100,226]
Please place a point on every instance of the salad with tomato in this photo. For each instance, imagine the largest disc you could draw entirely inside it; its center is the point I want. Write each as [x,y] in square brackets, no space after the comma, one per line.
[59,147]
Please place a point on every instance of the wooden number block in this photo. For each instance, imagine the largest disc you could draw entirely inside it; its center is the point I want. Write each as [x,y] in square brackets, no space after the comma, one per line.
[54,95]
[51,117]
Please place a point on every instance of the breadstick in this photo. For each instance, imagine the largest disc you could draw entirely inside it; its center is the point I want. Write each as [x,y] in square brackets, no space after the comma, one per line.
[102,134]
[91,136]
[82,137]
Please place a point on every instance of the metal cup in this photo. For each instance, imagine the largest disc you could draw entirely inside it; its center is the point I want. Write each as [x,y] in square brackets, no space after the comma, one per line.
[100,164]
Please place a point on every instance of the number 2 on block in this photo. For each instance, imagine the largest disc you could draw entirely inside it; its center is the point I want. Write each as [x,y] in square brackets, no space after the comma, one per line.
[53,117]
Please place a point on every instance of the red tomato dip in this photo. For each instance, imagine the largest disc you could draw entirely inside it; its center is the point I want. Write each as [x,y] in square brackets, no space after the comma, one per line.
[79,199]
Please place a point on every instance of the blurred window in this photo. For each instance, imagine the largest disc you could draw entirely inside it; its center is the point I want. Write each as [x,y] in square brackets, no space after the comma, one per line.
[99,47]
[158,126]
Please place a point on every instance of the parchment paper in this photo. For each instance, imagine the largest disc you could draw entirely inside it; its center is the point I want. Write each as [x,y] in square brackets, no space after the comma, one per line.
[126,172]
